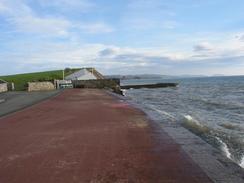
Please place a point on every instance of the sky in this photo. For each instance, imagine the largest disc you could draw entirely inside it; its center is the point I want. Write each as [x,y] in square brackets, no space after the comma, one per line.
[169,37]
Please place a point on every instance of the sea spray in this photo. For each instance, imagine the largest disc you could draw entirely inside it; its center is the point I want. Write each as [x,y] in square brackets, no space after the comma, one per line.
[124,92]
[228,145]
[231,146]
[195,126]
[164,113]
[224,148]
[242,162]
[207,134]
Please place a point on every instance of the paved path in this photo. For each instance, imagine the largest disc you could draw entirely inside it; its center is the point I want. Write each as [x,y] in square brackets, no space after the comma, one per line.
[16,100]
[89,136]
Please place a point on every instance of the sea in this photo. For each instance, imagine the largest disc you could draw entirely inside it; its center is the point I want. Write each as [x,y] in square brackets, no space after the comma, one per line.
[210,107]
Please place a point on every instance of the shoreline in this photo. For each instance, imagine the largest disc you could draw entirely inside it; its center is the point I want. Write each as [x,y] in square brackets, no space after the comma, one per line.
[211,160]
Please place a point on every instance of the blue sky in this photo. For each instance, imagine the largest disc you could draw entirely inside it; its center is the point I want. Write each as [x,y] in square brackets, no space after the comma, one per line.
[170,37]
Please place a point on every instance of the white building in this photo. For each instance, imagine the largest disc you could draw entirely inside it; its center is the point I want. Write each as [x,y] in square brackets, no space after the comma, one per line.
[85,74]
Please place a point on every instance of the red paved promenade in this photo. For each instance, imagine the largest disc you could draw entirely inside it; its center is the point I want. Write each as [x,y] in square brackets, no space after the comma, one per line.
[89,136]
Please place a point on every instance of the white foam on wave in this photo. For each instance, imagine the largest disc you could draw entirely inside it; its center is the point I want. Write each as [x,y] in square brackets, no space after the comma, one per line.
[192,120]
[224,148]
[193,123]
[195,126]
[188,117]
[168,115]
[242,162]
[124,91]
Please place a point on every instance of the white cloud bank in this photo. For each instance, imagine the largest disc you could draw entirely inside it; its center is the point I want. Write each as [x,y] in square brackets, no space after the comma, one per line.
[206,55]
[26,20]
[208,58]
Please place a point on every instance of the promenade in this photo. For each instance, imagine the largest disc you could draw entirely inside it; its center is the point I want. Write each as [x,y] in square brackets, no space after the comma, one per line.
[90,136]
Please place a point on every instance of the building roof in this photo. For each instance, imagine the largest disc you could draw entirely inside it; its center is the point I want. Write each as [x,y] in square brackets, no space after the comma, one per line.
[85,74]
[96,73]
[2,81]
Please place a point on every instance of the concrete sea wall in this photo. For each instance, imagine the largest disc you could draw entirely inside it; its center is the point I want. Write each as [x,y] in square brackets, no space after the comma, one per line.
[40,86]
[113,84]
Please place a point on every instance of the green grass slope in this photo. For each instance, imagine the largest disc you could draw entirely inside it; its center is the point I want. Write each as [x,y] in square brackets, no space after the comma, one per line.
[21,80]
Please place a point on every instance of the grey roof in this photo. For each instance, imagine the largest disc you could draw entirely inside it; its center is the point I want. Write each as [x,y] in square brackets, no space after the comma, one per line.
[2,81]
[78,74]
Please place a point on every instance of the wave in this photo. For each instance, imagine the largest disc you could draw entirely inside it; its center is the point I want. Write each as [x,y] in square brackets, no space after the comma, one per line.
[232,126]
[164,113]
[124,92]
[231,146]
[224,148]
[242,162]
[195,126]
[220,104]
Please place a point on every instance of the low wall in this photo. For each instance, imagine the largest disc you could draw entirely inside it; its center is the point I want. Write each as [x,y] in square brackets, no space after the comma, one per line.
[113,84]
[40,86]
[3,87]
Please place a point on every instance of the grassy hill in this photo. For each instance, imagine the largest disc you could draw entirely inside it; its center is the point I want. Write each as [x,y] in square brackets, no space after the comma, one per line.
[21,80]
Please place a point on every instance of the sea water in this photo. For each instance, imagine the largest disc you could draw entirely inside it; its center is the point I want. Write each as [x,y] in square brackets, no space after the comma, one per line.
[210,107]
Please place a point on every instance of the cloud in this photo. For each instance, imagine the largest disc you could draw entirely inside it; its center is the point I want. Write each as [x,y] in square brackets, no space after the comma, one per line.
[113,59]
[55,34]
[94,28]
[14,8]
[169,24]
[45,26]
[149,6]
[3,7]
[107,52]
[224,46]
[68,5]
[148,15]
[241,38]
[24,19]
[83,54]
[203,47]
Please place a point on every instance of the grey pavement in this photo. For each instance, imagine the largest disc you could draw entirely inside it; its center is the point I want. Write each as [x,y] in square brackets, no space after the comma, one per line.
[13,101]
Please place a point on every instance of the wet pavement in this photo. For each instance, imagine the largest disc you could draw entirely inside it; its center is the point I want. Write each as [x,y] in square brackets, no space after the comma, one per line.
[90,136]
